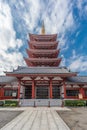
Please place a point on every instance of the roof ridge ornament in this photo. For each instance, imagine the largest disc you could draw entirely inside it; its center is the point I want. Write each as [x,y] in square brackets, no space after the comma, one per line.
[43,29]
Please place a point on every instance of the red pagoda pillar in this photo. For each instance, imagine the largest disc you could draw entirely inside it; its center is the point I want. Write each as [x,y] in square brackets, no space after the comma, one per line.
[64,89]
[51,88]
[19,86]
[33,89]
[2,93]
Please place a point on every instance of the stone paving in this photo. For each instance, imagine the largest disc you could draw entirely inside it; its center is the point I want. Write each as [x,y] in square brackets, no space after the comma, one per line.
[41,118]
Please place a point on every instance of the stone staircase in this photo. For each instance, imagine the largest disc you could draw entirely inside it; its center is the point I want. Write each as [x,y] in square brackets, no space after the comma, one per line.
[40,102]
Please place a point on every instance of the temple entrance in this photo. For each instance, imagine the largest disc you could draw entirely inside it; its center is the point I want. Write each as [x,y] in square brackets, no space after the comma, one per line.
[42,92]
[28,92]
[56,92]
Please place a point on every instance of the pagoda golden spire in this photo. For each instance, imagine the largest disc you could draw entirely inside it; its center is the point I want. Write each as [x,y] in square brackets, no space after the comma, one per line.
[43,29]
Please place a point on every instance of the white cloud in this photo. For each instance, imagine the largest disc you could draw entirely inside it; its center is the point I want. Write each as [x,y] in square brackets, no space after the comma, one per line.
[8,40]
[65,48]
[7,32]
[63,62]
[32,15]
[82,6]
[57,16]
[78,62]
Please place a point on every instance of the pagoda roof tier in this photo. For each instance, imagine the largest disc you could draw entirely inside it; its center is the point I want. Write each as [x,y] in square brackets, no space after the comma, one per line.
[43,61]
[43,45]
[43,38]
[43,53]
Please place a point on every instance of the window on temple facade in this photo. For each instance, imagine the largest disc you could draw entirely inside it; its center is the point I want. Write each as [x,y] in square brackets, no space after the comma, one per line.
[85,92]
[72,92]
[56,92]
[10,92]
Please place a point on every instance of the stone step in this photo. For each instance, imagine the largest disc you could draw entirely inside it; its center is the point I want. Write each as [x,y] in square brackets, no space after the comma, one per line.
[40,102]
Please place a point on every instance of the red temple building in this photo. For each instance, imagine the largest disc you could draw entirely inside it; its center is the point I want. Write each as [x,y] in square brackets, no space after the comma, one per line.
[43,80]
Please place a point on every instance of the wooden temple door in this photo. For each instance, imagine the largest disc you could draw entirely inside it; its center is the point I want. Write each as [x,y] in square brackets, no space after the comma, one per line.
[28,92]
[42,92]
[56,92]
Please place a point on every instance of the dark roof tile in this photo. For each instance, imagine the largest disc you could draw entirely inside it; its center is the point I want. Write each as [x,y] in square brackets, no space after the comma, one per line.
[6,79]
[40,70]
[77,79]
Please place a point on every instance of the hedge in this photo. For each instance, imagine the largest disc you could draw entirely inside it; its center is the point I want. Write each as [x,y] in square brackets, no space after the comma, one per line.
[75,102]
[11,103]
[8,103]
[1,103]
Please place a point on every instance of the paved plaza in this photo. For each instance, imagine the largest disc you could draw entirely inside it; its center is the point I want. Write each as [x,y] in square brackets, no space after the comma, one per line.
[40,118]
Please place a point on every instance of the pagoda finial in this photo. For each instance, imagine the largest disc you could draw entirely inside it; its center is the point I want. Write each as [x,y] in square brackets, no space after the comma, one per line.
[43,28]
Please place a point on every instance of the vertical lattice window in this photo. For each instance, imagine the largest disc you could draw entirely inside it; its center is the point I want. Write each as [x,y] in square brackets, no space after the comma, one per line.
[85,92]
[10,92]
[56,92]
[72,92]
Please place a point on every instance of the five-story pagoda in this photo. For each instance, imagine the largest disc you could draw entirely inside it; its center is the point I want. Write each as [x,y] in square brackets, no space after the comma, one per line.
[43,50]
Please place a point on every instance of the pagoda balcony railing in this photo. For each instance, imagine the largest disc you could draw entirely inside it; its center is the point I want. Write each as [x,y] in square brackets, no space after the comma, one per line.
[43,55]
[43,51]
[43,43]
[43,47]
[43,39]
[35,46]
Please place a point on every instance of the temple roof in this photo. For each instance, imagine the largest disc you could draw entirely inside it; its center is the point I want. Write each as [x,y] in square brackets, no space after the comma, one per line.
[6,79]
[77,79]
[41,70]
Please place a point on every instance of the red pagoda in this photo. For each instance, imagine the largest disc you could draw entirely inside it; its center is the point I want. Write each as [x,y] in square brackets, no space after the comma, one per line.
[43,50]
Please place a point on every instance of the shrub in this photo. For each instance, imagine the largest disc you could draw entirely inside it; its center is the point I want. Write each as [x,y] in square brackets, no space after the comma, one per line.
[75,103]
[1,103]
[6,105]
[11,103]
[86,102]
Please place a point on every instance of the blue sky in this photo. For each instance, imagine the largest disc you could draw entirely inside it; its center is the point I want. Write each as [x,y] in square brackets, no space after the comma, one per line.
[67,18]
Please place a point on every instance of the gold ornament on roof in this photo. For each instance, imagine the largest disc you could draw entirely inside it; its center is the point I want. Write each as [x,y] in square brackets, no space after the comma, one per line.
[43,29]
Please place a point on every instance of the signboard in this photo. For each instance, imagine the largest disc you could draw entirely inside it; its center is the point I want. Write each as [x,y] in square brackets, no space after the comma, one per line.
[80,96]
[14,94]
